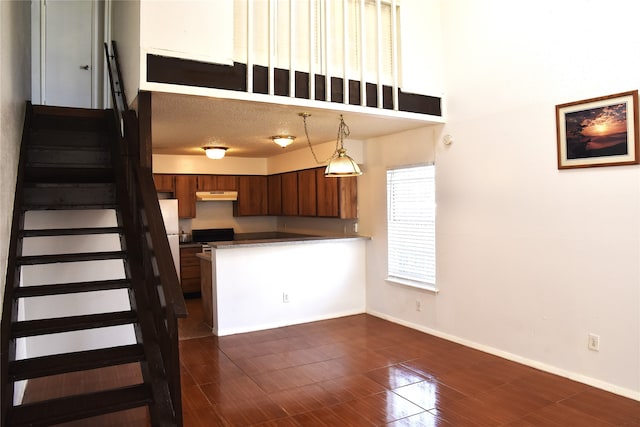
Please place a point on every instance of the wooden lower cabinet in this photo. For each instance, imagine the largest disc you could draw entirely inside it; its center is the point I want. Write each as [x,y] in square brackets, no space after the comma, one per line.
[190,269]
[206,284]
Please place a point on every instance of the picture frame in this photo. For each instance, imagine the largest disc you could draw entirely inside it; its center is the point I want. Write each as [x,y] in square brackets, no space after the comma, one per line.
[599,131]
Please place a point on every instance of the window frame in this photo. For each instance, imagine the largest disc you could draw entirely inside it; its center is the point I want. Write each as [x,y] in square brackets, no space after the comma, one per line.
[429,247]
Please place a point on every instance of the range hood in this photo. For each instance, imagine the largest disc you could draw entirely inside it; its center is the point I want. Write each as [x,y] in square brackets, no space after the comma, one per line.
[216,196]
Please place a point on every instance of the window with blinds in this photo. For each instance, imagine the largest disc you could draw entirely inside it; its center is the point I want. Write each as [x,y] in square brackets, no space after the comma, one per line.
[411,225]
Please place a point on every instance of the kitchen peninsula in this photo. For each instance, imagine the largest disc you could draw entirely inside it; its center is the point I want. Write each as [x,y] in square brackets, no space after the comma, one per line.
[267,280]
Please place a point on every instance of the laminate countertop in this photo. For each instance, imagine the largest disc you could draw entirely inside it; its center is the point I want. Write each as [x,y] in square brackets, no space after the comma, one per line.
[244,240]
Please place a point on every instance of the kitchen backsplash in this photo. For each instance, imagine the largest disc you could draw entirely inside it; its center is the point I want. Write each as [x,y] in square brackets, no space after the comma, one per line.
[220,215]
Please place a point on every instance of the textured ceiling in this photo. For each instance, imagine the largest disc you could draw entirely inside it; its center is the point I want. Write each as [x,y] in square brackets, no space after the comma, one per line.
[183,124]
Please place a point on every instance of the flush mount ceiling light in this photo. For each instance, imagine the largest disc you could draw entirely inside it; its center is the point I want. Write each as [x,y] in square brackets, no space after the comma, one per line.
[283,140]
[215,153]
[339,163]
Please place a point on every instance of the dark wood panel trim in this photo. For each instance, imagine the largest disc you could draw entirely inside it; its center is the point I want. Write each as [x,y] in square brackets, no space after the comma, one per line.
[144,128]
[161,69]
[414,103]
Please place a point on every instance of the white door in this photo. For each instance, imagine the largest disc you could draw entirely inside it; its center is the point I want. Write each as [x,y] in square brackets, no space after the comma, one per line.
[67,43]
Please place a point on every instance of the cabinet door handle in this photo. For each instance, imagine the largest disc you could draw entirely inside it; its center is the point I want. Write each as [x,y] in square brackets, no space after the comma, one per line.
[84,67]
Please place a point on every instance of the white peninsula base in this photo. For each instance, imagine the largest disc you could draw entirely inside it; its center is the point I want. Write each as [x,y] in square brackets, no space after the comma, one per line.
[258,286]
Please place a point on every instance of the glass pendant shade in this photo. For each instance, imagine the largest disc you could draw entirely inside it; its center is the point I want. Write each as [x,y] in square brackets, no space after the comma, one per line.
[342,165]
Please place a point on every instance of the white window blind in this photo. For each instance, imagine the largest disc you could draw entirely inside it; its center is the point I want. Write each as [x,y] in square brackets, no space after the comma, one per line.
[411,215]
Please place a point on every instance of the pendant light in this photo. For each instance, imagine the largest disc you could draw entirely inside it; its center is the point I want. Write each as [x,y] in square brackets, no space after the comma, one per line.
[340,164]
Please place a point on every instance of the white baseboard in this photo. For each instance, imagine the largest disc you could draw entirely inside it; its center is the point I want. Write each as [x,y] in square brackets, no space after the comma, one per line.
[631,394]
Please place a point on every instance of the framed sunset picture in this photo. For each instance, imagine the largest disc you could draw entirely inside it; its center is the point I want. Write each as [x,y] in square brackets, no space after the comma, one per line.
[598,132]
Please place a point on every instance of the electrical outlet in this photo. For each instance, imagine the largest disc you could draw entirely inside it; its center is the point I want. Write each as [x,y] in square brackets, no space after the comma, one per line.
[418,305]
[285,297]
[594,342]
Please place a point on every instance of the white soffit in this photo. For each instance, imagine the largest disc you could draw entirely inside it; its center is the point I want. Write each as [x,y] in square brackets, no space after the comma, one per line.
[183,124]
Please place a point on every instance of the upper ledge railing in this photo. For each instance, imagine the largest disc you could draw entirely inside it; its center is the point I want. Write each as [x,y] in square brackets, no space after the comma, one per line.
[353,61]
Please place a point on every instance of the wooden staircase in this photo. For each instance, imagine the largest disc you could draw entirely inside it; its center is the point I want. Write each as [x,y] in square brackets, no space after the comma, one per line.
[81,290]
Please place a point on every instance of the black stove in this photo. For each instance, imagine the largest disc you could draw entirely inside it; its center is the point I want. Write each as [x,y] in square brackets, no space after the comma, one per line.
[212,235]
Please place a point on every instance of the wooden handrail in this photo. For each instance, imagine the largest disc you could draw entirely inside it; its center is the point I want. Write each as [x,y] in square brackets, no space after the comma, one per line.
[160,276]
[173,295]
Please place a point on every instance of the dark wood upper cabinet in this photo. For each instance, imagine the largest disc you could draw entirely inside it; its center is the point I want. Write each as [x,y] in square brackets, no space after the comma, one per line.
[217,183]
[290,193]
[252,196]
[164,183]
[227,182]
[186,195]
[337,197]
[298,193]
[328,201]
[348,197]
[274,184]
[307,203]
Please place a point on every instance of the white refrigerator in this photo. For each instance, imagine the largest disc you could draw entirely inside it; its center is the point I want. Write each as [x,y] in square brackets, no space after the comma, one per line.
[169,209]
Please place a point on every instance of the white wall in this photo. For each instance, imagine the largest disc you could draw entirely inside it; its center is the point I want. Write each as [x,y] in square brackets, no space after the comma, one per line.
[530,259]
[15,80]
[421,47]
[125,30]
[168,163]
[195,29]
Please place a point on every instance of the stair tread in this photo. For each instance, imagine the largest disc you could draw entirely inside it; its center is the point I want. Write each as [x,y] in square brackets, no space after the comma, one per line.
[67,119]
[71,408]
[67,140]
[79,206]
[70,231]
[69,288]
[75,361]
[27,328]
[68,174]
[77,257]
[47,185]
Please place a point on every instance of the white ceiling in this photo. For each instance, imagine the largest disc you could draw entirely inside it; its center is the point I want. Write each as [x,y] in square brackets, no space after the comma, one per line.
[183,124]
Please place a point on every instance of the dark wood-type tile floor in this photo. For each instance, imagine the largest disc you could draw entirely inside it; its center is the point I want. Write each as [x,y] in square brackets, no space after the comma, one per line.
[364,371]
